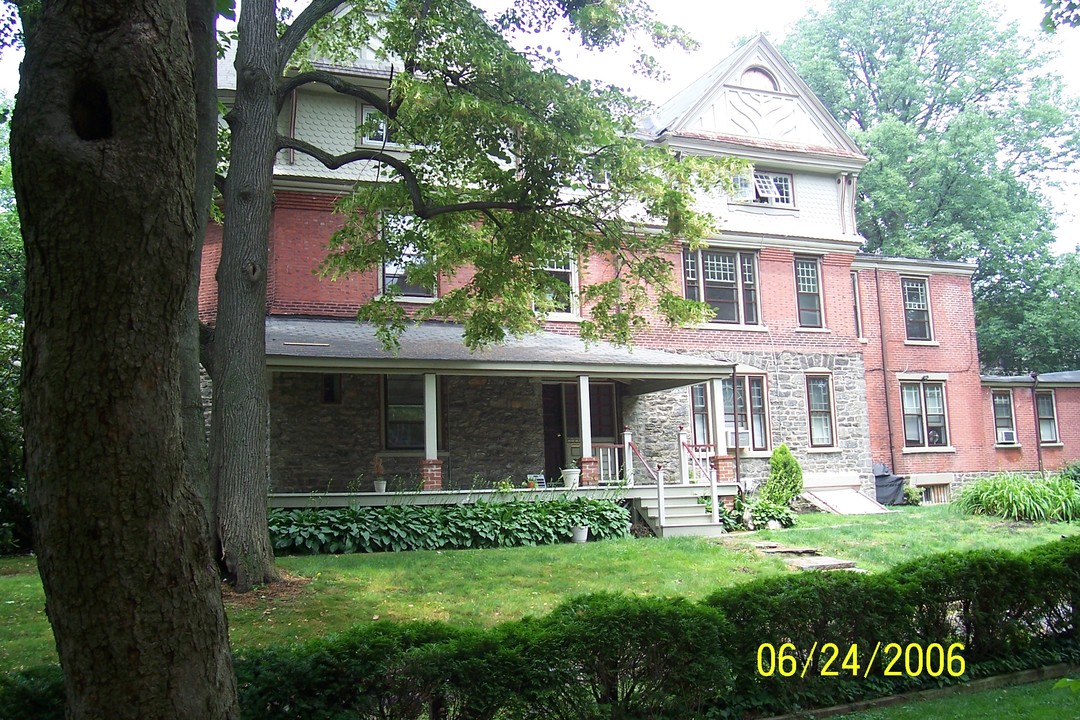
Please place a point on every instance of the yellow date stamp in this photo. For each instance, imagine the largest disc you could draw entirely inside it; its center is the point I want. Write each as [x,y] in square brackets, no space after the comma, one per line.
[832,660]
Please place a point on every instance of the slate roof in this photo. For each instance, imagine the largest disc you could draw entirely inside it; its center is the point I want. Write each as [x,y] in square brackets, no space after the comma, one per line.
[1067,377]
[346,345]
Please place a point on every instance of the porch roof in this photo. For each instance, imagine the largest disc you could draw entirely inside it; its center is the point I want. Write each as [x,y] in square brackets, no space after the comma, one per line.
[322,345]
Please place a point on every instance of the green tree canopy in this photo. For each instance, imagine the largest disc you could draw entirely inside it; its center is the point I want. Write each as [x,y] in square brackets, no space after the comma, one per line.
[965,131]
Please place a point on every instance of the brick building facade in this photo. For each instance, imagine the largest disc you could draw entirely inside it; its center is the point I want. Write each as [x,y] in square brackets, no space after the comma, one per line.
[849,359]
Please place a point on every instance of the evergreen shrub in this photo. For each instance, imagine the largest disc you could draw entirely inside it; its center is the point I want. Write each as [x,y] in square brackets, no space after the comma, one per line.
[785,480]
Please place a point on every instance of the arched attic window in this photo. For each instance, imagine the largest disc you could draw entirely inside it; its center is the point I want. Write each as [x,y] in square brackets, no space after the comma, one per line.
[758,79]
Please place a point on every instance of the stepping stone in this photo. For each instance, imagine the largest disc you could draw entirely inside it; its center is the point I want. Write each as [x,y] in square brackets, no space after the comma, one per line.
[790,551]
[820,563]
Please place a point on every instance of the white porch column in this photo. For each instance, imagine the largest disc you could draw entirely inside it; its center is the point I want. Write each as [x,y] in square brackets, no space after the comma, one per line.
[716,417]
[431,428]
[585,415]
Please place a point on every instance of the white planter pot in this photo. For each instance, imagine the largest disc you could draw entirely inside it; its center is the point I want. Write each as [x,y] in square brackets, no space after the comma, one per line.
[380,486]
[571,477]
[579,533]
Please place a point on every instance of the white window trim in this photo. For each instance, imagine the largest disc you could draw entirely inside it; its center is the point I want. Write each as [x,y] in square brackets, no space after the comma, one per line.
[402,297]
[932,340]
[575,289]
[748,451]
[922,380]
[799,327]
[833,431]
[998,442]
[757,188]
[363,115]
[739,290]
[1057,424]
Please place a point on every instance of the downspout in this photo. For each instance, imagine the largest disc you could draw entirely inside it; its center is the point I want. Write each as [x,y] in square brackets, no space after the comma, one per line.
[885,371]
[1035,411]
[735,410]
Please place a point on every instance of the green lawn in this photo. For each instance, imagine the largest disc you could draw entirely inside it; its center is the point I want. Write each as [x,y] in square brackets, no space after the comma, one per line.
[485,587]
[1037,701]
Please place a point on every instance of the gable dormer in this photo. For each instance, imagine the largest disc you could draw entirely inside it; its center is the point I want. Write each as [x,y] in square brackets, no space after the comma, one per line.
[754,105]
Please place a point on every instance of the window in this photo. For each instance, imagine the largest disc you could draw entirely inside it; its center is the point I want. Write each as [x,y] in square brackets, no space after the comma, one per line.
[699,410]
[1046,409]
[808,291]
[765,188]
[727,281]
[857,304]
[819,405]
[395,271]
[758,79]
[750,418]
[374,128]
[564,297]
[925,423]
[331,389]
[404,412]
[916,308]
[1004,428]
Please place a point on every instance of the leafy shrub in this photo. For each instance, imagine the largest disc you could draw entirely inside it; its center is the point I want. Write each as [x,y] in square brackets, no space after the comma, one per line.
[33,694]
[912,495]
[434,527]
[763,510]
[1071,472]
[1017,497]
[785,480]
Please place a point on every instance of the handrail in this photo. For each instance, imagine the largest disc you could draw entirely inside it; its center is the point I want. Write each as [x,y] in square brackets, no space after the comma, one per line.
[705,471]
[644,462]
[713,494]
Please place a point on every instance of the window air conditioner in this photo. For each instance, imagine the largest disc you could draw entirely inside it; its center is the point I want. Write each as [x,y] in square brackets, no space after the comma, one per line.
[1006,437]
[744,438]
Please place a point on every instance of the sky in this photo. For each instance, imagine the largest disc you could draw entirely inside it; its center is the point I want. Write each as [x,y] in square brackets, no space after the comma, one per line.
[719,24]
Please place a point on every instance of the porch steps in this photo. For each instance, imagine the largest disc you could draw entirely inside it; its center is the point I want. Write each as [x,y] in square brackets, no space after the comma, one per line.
[683,514]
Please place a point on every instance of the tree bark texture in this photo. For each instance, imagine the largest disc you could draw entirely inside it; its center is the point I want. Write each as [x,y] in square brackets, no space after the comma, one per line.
[103,147]
[239,441]
[201,19]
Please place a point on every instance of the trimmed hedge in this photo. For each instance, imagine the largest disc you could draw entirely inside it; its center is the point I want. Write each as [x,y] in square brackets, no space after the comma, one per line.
[443,527]
[622,657]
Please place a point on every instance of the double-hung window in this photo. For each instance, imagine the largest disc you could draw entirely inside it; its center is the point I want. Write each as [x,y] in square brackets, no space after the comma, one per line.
[1004,425]
[725,279]
[374,130]
[765,188]
[745,412]
[403,412]
[925,419]
[819,403]
[699,411]
[396,278]
[1046,409]
[917,308]
[808,291]
[563,295]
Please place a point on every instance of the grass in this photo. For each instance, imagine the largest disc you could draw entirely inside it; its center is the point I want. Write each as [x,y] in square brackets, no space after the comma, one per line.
[485,587]
[1037,701]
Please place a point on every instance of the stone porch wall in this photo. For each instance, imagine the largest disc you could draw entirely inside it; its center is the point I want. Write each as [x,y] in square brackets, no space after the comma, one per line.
[654,418]
[493,429]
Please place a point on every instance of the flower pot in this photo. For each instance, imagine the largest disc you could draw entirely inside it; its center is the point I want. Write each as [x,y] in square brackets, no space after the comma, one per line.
[571,477]
[579,533]
[380,486]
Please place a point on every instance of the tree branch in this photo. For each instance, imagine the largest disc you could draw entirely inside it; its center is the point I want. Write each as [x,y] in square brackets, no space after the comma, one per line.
[412,185]
[335,83]
[300,27]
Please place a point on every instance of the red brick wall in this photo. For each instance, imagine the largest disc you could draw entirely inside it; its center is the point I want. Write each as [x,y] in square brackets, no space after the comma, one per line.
[954,354]
[1024,456]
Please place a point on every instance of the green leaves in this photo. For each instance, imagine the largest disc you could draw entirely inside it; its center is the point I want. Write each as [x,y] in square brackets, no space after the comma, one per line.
[435,527]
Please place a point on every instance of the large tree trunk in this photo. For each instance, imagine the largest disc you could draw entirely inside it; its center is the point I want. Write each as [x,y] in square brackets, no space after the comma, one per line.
[103,141]
[201,18]
[239,439]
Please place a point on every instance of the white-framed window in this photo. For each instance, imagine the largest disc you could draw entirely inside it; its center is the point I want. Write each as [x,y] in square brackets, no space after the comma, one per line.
[725,279]
[808,292]
[819,406]
[1046,409]
[699,413]
[746,412]
[565,272]
[395,270]
[765,188]
[403,412]
[916,293]
[758,78]
[925,418]
[374,133]
[1004,422]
